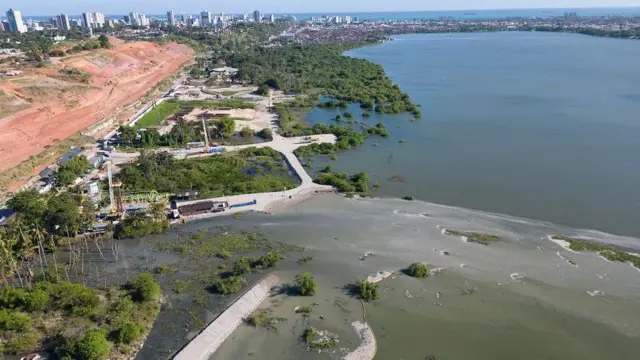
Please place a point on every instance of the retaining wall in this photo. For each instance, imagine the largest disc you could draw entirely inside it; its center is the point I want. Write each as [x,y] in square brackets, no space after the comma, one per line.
[210,339]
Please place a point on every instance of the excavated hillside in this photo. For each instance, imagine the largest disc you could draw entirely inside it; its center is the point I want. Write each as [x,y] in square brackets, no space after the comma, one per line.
[47,105]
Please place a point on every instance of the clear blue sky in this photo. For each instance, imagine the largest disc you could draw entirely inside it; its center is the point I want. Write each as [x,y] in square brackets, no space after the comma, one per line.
[43,7]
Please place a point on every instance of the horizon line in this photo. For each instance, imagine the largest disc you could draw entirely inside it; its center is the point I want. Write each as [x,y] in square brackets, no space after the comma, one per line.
[390,11]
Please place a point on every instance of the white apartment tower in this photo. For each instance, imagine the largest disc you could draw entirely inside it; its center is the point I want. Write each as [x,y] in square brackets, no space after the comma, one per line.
[16,25]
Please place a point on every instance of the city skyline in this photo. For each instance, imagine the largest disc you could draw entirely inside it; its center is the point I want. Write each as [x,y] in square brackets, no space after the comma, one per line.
[77,7]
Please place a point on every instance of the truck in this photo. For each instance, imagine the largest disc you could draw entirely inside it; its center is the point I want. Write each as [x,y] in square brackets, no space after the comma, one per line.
[197,144]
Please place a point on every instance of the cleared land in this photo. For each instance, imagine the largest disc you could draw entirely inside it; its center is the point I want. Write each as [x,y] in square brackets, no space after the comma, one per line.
[61,103]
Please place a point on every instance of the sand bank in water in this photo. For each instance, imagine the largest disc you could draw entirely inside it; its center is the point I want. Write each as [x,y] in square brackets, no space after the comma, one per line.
[379,276]
[367,348]
[562,243]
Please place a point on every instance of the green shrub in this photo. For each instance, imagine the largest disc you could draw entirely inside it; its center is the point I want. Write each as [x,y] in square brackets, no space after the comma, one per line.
[304,260]
[14,298]
[266,134]
[306,284]
[129,332]
[418,270]
[242,266]
[271,259]
[37,300]
[77,299]
[230,285]
[93,346]
[161,269]
[23,342]
[246,132]
[304,310]
[366,290]
[408,198]
[144,288]
[13,321]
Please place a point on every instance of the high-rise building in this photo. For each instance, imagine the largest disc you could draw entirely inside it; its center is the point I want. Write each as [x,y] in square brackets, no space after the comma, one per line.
[5,26]
[98,19]
[205,18]
[143,20]
[16,24]
[272,18]
[347,19]
[63,22]
[87,20]
[133,19]
[257,16]
[171,18]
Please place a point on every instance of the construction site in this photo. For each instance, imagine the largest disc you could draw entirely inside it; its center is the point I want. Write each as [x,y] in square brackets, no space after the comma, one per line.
[92,92]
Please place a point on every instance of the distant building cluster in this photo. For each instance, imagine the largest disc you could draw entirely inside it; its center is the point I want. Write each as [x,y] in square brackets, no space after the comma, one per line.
[97,20]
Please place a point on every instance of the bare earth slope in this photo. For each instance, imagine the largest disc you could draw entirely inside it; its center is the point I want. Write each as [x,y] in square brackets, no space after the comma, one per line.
[61,106]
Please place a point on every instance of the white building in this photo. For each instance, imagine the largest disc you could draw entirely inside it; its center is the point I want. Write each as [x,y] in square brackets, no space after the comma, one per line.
[133,18]
[87,20]
[347,19]
[143,20]
[205,18]
[63,22]
[272,18]
[16,25]
[98,19]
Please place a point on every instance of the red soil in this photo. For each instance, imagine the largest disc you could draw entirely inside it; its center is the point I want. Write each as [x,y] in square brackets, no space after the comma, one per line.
[120,76]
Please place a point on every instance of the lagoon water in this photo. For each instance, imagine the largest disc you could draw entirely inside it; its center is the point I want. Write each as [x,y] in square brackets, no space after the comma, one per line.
[536,125]
[546,315]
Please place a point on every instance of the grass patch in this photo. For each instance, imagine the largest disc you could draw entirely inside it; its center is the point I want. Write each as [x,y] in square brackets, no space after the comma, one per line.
[474,237]
[609,252]
[251,170]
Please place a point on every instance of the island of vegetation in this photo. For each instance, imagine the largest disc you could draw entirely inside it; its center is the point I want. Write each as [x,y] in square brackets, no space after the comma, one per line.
[609,252]
[474,237]
[417,270]
[365,290]
[305,284]
[319,340]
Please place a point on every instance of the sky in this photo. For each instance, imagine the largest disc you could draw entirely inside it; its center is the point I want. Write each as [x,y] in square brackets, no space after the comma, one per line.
[41,7]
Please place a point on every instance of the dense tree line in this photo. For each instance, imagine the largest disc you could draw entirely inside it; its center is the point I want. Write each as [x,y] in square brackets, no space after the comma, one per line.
[322,68]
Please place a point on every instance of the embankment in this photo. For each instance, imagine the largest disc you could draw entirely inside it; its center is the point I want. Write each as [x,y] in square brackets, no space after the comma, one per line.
[61,107]
[210,339]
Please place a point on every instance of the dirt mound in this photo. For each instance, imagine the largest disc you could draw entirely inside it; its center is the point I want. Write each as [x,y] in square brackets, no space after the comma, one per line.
[76,92]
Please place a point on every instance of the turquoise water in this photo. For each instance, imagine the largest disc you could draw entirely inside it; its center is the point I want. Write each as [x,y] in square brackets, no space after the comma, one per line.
[541,126]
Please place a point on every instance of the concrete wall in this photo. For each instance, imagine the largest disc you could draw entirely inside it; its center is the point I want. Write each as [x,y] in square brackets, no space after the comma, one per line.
[210,339]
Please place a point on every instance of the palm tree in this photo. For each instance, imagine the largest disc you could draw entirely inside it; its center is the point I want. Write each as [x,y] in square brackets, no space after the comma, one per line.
[6,254]
[158,208]
[39,233]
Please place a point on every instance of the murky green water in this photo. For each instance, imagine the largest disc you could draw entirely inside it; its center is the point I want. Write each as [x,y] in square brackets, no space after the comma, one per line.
[548,315]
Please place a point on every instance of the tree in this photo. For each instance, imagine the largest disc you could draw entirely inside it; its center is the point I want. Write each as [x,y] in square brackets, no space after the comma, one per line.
[29,203]
[418,270]
[226,127]
[306,284]
[158,209]
[144,288]
[246,132]
[263,90]
[366,290]
[266,134]
[104,41]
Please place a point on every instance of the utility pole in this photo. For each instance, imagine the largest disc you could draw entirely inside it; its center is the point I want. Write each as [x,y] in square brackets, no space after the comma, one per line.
[112,204]
[206,135]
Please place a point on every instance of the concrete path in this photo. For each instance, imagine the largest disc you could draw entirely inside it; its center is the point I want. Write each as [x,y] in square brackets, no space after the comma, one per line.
[210,339]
